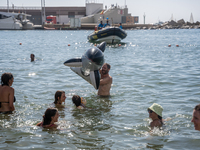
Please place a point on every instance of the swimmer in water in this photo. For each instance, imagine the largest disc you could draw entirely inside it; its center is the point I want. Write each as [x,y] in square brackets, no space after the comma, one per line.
[7,93]
[49,118]
[105,81]
[79,102]
[32,56]
[59,99]
[155,113]
[196,117]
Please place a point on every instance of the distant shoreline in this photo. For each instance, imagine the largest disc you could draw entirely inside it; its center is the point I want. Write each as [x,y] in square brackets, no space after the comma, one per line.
[91,26]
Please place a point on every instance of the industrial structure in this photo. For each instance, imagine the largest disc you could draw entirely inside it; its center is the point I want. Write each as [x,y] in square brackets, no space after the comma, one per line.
[88,14]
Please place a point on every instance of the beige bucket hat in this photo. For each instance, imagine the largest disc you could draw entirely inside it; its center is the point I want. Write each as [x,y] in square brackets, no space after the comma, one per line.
[157,109]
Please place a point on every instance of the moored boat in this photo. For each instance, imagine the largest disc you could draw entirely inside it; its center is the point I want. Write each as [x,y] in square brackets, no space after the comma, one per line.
[8,21]
[15,21]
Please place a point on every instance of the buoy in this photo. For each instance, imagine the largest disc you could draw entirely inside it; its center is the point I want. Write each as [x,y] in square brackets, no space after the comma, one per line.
[177,45]
[20,43]
[68,44]
[169,45]
[119,44]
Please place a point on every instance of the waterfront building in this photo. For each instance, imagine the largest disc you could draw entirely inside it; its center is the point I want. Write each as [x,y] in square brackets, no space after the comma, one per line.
[91,13]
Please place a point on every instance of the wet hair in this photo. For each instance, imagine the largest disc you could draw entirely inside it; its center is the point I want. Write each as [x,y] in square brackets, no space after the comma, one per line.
[197,107]
[50,112]
[108,65]
[58,95]
[5,78]
[76,100]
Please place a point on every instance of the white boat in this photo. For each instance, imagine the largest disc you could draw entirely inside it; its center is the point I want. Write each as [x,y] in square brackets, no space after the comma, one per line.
[26,24]
[14,21]
[8,21]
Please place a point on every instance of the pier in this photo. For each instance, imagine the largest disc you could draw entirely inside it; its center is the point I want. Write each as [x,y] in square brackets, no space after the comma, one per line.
[89,26]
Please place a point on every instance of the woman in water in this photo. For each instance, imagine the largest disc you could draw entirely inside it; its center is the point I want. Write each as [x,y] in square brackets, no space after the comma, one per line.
[49,118]
[7,93]
[80,102]
[59,98]
[155,113]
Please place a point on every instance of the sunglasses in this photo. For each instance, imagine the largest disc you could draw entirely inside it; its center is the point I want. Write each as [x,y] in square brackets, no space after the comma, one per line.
[150,111]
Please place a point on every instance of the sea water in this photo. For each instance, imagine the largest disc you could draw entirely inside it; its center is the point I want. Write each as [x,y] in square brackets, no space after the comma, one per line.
[144,70]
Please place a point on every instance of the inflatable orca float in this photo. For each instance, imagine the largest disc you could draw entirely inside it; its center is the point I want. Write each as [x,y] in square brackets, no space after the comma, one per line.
[89,64]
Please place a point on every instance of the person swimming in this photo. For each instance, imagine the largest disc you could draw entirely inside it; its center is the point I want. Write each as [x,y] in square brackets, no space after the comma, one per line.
[59,98]
[32,56]
[79,102]
[155,113]
[50,116]
[7,97]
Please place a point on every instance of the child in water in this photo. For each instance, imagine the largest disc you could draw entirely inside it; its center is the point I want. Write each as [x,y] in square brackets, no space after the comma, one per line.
[80,102]
[50,116]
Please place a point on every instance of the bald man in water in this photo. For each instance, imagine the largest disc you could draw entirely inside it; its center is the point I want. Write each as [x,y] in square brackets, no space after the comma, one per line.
[105,81]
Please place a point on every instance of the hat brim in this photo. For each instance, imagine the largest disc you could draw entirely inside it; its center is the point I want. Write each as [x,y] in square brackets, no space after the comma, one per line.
[159,114]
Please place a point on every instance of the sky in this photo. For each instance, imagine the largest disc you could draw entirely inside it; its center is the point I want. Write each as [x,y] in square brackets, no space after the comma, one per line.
[154,10]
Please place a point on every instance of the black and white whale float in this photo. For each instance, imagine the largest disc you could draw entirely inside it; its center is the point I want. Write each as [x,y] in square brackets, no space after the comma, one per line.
[89,64]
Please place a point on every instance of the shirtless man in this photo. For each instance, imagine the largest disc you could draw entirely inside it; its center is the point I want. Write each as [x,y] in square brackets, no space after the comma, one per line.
[6,93]
[105,81]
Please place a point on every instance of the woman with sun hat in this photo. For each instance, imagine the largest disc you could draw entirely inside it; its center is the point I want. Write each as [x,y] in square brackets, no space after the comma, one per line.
[155,113]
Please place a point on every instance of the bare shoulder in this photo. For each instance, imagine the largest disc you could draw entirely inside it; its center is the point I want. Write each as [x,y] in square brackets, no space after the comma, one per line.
[110,78]
[11,90]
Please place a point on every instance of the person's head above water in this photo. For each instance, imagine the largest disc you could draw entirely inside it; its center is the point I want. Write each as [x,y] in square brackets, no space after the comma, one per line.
[32,56]
[50,116]
[78,101]
[156,108]
[196,117]
[155,113]
[105,68]
[7,79]
[59,97]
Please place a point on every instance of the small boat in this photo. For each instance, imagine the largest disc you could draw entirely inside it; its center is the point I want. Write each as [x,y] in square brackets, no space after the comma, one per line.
[109,34]
[47,28]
